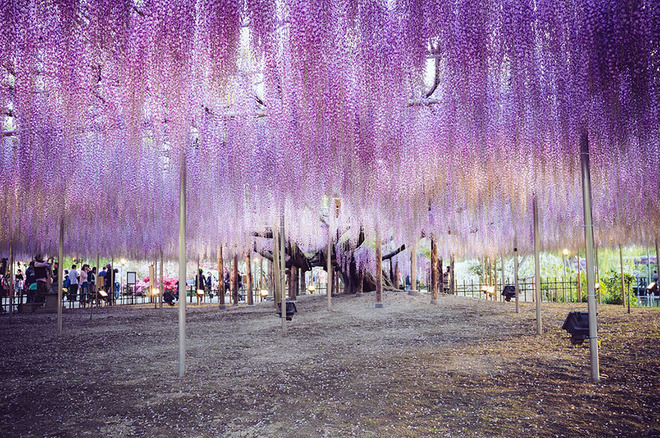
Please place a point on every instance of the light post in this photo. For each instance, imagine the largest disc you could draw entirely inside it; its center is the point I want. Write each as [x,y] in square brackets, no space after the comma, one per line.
[565,254]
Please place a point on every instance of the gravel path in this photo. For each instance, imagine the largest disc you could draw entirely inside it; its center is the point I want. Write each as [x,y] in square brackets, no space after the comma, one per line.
[462,368]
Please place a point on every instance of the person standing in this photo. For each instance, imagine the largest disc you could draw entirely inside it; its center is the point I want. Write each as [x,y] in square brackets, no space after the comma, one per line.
[73,283]
[91,279]
[55,284]
[200,281]
[18,282]
[108,283]
[84,285]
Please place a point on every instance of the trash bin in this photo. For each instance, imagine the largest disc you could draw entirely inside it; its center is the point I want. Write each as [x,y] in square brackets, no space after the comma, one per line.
[290,309]
[577,324]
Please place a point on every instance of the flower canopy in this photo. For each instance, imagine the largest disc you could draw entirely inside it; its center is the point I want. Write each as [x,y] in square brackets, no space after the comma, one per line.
[425,117]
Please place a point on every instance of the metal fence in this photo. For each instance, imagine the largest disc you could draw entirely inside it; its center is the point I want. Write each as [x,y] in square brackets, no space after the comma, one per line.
[552,290]
[129,296]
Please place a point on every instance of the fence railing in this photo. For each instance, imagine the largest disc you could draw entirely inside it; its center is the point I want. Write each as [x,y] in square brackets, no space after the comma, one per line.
[552,290]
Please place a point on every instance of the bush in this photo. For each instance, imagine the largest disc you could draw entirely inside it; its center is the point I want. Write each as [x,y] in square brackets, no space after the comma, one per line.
[611,287]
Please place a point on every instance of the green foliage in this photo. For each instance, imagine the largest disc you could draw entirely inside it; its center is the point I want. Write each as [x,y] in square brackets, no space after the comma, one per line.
[611,287]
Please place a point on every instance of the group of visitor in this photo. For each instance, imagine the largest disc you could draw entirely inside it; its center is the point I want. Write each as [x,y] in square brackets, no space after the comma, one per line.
[41,277]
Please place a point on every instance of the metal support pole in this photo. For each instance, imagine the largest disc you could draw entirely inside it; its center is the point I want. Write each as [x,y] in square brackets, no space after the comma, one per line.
[503,283]
[589,237]
[162,283]
[623,282]
[563,259]
[537,266]
[182,265]
[328,288]
[60,277]
[221,281]
[282,277]
[11,281]
[515,264]
[434,272]
[379,271]
[657,260]
[275,272]
[248,273]
[600,292]
[452,277]
[413,268]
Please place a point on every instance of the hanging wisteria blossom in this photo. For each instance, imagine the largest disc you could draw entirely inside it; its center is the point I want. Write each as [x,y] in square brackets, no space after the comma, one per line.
[423,117]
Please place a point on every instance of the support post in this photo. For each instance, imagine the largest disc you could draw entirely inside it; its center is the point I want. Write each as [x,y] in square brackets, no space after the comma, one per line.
[600,293]
[60,277]
[396,276]
[282,277]
[537,265]
[152,282]
[221,281]
[503,283]
[515,268]
[182,265]
[329,268]
[234,286]
[275,265]
[434,271]
[248,272]
[413,269]
[10,270]
[657,259]
[623,282]
[452,279]
[379,271]
[589,238]
[162,283]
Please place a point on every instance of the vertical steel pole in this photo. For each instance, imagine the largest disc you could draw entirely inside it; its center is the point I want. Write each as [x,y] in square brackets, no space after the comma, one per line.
[275,271]
[537,266]
[623,282]
[11,281]
[434,272]
[60,277]
[452,277]
[330,276]
[413,268]
[597,274]
[162,283]
[515,268]
[503,283]
[221,281]
[282,277]
[182,264]
[379,271]
[589,237]
[563,259]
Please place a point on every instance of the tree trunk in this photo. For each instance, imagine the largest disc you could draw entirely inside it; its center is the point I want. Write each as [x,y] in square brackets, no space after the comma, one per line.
[303,282]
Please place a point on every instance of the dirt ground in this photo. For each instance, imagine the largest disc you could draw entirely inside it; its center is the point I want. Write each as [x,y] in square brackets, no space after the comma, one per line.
[462,368]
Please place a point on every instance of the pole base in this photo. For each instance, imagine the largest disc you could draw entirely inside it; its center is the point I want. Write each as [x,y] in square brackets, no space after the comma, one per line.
[413,292]
[379,305]
[434,301]
[223,307]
